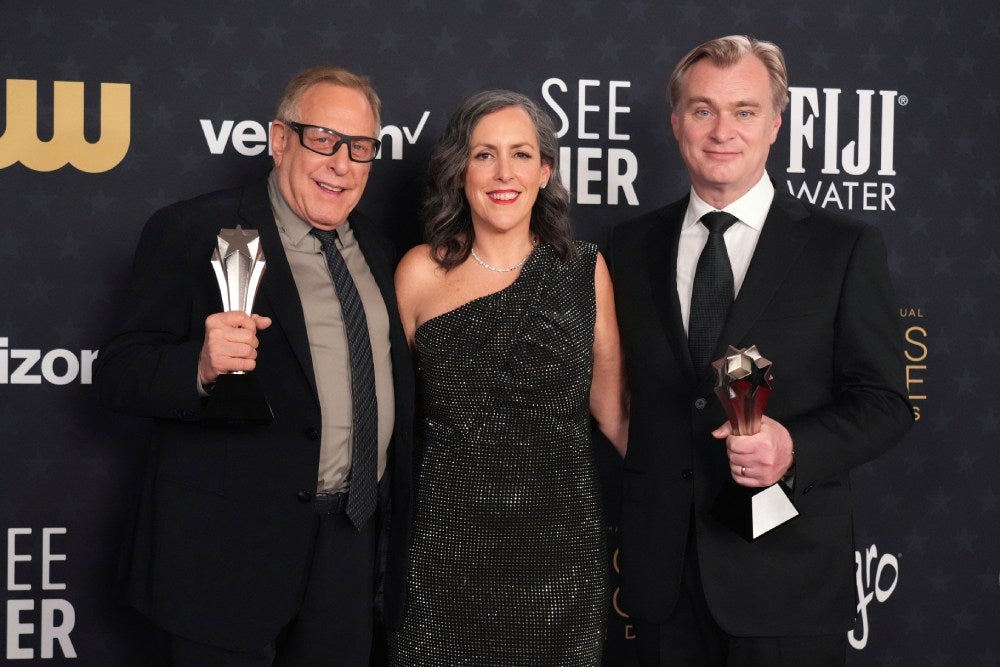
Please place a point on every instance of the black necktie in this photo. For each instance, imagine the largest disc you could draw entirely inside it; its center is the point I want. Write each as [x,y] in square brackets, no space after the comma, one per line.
[362,494]
[713,290]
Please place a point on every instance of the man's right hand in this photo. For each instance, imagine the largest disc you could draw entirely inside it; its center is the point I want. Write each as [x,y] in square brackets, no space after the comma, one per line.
[230,344]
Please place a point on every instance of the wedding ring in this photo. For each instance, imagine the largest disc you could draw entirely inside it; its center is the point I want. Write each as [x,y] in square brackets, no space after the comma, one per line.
[743,471]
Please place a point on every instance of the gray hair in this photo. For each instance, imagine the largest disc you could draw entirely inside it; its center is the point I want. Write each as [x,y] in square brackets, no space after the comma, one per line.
[288,107]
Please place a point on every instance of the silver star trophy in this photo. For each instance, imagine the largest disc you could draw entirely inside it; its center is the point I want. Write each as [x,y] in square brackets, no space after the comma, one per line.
[743,384]
[238,262]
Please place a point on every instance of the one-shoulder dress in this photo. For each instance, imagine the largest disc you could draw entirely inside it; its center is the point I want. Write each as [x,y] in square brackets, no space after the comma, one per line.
[507,558]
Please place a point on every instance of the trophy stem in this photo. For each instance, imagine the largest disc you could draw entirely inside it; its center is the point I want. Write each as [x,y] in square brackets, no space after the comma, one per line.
[238,262]
[743,385]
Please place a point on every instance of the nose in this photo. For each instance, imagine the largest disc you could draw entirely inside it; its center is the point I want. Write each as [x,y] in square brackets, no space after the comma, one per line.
[503,168]
[723,127]
[340,161]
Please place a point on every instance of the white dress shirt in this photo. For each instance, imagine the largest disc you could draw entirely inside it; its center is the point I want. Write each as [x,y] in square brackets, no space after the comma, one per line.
[741,238]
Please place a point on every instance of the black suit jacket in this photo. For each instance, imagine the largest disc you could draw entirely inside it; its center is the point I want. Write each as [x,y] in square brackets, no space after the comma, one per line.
[817,302]
[223,537]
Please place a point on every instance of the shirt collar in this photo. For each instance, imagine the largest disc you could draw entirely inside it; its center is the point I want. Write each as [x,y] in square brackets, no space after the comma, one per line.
[751,208]
[292,227]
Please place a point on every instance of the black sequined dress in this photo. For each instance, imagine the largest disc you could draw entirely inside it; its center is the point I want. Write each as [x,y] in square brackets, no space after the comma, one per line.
[507,559]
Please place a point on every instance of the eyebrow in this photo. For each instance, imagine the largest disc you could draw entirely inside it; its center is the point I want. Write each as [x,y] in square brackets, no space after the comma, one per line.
[711,102]
[523,144]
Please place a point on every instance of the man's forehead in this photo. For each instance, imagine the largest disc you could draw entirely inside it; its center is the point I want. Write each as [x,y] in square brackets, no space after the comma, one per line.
[329,102]
[747,78]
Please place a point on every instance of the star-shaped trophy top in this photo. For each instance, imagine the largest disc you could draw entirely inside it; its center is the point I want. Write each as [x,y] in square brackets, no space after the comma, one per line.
[760,369]
[743,364]
[238,241]
[743,386]
[238,262]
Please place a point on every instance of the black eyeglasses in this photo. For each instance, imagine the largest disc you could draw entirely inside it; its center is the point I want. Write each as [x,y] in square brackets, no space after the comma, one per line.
[325,141]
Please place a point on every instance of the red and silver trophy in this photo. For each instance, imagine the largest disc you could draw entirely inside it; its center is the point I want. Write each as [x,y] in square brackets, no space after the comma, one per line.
[238,261]
[743,384]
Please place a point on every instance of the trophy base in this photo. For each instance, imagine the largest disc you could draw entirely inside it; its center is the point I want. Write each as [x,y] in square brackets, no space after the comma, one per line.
[752,512]
[237,398]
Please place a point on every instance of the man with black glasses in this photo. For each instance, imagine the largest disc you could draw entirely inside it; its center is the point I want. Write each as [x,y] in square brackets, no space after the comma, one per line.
[256,539]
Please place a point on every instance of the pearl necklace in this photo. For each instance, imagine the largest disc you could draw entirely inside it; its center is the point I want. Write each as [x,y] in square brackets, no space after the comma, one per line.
[501,269]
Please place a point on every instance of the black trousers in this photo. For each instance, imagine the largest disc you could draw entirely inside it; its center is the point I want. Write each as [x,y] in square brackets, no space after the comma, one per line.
[333,626]
[691,637]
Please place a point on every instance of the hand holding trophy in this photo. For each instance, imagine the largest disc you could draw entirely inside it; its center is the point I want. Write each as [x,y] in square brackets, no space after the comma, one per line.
[743,385]
[238,261]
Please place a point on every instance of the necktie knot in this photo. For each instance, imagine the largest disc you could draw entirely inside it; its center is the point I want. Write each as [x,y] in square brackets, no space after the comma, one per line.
[718,222]
[327,237]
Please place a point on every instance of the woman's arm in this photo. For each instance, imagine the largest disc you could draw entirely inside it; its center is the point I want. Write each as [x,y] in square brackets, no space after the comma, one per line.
[609,391]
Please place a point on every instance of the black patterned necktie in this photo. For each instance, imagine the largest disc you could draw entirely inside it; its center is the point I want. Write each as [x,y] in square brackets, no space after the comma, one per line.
[712,294]
[362,494]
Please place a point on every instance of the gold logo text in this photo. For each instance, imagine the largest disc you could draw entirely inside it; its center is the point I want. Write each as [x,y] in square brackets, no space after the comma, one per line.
[68,145]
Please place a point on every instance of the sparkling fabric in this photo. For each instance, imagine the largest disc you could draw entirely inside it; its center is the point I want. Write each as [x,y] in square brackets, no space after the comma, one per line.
[507,560]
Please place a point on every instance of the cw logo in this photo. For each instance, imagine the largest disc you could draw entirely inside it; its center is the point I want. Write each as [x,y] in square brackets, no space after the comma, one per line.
[20,142]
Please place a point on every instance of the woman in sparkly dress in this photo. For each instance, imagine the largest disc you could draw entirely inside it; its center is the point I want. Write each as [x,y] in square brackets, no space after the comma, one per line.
[513,327]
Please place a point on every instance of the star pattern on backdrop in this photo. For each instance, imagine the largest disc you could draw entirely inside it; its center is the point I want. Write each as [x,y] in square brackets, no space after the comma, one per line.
[67,237]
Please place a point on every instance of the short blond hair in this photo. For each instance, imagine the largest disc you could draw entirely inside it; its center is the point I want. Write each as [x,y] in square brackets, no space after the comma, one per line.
[726,52]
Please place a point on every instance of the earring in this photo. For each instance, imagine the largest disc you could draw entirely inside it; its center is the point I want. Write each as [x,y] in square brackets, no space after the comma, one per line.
[544,184]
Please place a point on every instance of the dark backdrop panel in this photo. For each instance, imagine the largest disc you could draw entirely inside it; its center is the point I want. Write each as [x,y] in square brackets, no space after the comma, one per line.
[894,118]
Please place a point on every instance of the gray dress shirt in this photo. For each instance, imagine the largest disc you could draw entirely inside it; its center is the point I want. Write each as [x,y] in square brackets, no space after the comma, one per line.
[328,339]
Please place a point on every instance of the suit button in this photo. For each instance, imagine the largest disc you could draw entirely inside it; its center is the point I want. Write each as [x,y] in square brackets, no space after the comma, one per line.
[304,496]
[687,473]
[700,403]
[312,433]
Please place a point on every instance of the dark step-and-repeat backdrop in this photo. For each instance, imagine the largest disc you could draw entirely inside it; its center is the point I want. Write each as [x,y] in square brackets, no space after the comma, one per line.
[113,109]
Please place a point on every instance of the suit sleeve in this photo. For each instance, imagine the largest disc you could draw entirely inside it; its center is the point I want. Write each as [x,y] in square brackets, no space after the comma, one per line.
[869,412]
[149,366]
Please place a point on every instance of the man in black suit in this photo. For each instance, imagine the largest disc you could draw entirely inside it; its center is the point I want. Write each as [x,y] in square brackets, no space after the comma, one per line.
[812,293]
[256,544]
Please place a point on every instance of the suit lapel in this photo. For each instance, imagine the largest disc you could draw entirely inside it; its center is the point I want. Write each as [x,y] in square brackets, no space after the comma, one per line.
[781,240]
[277,286]
[661,259]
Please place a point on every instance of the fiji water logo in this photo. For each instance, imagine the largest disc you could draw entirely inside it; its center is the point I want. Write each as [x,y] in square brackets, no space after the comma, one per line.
[855,164]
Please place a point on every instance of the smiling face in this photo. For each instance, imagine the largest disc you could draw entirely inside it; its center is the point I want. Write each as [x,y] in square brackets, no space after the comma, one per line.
[504,171]
[725,123]
[323,189]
